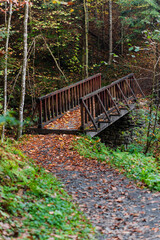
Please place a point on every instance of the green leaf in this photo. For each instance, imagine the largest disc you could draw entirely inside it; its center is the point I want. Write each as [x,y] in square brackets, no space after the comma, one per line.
[137,49]
[131,48]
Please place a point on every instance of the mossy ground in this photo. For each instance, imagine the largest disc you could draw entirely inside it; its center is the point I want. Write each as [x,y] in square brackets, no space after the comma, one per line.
[33,204]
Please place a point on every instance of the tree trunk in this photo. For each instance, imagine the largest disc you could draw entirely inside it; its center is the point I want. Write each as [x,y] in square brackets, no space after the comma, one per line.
[6,67]
[23,82]
[110,32]
[86,36]
[103,25]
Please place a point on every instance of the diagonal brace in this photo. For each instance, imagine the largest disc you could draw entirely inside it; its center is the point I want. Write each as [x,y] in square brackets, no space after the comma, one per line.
[138,86]
[125,99]
[107,115]
[89,114]
[131,89]
[113,102]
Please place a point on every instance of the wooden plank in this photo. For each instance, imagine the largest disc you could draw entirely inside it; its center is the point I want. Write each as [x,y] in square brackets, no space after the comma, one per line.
[54,131]
[62,102]
[49,108]
[45,110]
[80,90]
[40,114]
[71,92]
[82,115]
[66,100]
[57,113]
[59,104]
[74,96]
[92,107]
[78,96]
[69,99]
[85,115]
[52,107]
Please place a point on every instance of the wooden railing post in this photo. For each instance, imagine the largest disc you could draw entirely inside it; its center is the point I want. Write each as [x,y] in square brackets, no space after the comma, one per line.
[106,100]
[56,103]
[40,113]
[82,115]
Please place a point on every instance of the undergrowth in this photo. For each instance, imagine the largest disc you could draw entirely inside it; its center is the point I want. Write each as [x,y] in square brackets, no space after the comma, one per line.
[33,204]
[135,165]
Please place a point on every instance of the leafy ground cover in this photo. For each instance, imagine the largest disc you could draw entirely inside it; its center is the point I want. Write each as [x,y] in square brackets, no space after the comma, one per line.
[116,206]
[134,164]
[33,204]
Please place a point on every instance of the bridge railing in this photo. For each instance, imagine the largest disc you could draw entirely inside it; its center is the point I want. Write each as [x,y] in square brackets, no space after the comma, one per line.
[109,99]
[53,105]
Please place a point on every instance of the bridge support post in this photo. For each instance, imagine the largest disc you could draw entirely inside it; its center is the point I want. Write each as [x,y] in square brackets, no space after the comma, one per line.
[40,113]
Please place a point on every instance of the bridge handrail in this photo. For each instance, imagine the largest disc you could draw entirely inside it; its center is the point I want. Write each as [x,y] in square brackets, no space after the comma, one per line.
[131,75]
[53,105]
[104,100]
[70,86]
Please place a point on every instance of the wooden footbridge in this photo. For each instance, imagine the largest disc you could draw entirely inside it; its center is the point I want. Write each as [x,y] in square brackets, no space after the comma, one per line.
[90,108]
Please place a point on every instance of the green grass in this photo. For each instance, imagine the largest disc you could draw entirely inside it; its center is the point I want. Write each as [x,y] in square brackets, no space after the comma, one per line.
[33,204]
[134,165]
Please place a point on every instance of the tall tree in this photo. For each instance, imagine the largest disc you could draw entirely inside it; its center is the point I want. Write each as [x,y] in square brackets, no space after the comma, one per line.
[6,65]
[23,81]
[85,4]
[110,32]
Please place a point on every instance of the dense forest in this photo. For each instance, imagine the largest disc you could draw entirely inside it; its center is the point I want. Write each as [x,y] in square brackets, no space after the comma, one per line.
[108,190]
[46,45]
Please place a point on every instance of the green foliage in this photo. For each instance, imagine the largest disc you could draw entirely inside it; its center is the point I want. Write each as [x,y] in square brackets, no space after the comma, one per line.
[134,164]
[3,33]
[9,119]
[34,204]
[148,134]
[140,15]
[144,12]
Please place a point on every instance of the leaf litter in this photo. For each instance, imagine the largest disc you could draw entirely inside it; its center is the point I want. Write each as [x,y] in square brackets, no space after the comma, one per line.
[114,204]
[70,120]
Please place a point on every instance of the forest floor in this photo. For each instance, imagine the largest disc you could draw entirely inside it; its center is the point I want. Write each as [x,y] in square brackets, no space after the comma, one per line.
[117,207]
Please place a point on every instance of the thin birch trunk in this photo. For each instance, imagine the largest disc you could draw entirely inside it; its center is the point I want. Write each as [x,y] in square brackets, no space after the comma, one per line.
[86,36]
[23,82]
[83,59]
[110,32]
[6,67]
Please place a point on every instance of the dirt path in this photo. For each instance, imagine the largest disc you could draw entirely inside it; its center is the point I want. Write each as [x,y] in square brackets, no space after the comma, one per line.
[115,205]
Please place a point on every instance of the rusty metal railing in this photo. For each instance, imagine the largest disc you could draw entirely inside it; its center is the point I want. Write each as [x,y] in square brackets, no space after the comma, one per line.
[53,105]
[112,98]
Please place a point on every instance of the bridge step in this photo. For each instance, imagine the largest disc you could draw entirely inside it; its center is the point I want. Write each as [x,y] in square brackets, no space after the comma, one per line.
[104,124]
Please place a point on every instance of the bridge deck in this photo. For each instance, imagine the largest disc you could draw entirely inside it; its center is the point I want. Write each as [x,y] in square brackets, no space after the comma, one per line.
[87,108]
